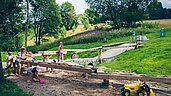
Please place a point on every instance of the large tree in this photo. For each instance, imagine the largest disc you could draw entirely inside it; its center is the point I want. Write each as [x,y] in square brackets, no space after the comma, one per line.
[46,18]
[93,17]
[156,11]
[11,23]
[123,13]
[68,15]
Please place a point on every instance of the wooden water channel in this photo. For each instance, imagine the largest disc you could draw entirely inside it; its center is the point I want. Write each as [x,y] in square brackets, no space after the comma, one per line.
[68,66]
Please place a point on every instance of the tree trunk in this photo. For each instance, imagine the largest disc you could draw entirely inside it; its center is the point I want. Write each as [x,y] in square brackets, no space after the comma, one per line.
[35,32]
[39,33]
[1,69]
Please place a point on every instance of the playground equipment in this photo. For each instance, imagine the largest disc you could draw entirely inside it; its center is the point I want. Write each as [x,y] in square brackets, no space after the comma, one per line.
[142,89]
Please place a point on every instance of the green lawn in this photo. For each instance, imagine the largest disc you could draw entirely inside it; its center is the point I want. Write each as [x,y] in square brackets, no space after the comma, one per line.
[9,88]
[154,58]
[4,55]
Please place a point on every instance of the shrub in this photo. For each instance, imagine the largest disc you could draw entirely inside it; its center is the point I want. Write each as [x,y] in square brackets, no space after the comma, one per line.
[150,25]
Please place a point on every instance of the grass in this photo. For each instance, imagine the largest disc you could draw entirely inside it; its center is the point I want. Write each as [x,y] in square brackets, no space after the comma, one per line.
[9,88]
[4,55]
[92,45]
[152,59]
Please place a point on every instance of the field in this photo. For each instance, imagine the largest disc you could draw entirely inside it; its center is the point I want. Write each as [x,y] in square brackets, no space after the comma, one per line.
[165,22]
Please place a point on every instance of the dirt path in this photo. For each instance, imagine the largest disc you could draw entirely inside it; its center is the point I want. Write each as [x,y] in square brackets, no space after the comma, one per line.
[67,83]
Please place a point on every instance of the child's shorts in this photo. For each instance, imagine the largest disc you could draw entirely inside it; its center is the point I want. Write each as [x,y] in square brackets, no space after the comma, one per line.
[17,61]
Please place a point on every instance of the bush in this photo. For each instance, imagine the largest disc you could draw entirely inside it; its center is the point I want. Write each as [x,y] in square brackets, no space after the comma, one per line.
[150,25]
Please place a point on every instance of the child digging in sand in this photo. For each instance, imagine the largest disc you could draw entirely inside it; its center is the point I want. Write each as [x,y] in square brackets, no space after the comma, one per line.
[33,73]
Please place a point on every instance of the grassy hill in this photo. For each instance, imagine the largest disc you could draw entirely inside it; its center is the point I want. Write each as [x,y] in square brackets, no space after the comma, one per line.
[153,59]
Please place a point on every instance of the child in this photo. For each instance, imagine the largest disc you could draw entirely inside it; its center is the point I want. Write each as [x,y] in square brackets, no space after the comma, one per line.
[9,60]
[21,56]
[60,52]
[33,72]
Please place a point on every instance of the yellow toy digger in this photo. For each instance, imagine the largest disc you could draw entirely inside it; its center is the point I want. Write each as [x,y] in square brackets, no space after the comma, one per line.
[141,89]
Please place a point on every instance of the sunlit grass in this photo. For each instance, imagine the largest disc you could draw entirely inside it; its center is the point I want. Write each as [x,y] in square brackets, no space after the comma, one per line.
[154,58]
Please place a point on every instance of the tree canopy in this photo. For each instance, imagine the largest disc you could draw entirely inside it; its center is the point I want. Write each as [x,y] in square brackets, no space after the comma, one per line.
[68,15]
[94,17]
[123,13]
[46,18]
[11,23]
[156,11]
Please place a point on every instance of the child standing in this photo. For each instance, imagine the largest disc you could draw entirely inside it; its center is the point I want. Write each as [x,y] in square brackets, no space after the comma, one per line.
[21,56]
[60,52]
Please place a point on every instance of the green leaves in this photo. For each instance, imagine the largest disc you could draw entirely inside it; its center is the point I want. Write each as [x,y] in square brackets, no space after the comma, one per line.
[68,15]
[123,13]
[11,22]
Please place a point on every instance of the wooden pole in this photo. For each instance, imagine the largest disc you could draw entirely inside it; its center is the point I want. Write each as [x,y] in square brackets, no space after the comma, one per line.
[100,55]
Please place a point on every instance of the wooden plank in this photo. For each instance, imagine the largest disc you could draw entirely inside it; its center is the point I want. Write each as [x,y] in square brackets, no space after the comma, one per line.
[132,78]
[63,66]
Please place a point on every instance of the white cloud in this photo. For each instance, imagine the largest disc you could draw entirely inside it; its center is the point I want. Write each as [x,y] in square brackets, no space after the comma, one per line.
[166,3]
[80,5]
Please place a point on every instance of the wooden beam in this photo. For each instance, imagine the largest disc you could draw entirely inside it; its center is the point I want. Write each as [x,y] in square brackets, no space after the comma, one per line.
[132,78]
[63,66]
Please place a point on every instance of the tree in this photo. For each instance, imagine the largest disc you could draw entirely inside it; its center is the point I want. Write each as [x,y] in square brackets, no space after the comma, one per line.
[46,18]
[123,13]
[11,22]
[93,17]
[85,21]
[1,69]
[156,11]
[68,15]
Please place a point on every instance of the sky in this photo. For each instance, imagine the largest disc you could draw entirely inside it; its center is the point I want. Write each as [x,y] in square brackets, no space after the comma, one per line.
[81,6]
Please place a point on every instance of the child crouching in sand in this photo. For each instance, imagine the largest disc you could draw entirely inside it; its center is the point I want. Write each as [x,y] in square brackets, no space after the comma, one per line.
[33,73]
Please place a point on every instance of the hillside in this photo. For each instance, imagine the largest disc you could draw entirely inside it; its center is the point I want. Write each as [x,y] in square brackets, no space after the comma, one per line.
[152,59]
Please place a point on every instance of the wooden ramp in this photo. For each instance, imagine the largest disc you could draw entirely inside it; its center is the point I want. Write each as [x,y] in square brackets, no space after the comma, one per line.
[73,67]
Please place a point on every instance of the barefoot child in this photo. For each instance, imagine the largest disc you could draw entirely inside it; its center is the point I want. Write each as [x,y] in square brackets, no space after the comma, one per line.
[60,52]
[33,73]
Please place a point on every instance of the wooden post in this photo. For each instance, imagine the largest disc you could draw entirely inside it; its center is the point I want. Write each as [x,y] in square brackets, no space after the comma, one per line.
[100,55]
[44,60]
[131,40]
